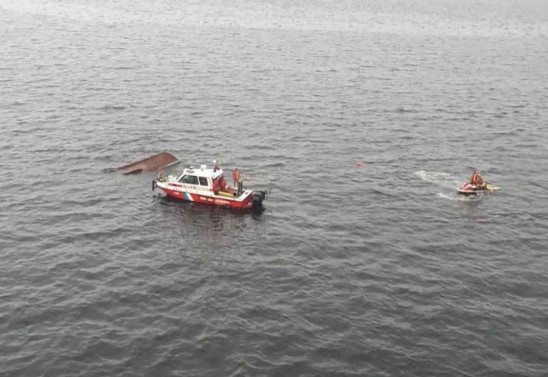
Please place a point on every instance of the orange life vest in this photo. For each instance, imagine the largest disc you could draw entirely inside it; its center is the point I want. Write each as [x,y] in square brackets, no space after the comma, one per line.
[476,180]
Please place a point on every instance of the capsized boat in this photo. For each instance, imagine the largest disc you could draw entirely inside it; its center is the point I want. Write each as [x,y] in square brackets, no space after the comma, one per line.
[152,163]
[467,189]
[208,186]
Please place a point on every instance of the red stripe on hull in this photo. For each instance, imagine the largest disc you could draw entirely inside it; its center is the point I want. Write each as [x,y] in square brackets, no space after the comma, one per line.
[245,204]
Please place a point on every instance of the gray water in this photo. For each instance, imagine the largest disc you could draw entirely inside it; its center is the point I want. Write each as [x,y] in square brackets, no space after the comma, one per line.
[380,270]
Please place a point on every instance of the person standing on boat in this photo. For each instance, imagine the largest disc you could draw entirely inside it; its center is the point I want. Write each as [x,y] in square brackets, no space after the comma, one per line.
[235,177]
[477,180]
[237,181]
[215,165]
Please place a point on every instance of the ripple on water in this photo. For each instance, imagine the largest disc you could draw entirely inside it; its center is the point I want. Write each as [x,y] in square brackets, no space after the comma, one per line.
[350,270]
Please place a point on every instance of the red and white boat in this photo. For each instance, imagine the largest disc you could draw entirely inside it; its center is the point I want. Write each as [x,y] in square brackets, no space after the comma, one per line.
[467,189]
[208,186]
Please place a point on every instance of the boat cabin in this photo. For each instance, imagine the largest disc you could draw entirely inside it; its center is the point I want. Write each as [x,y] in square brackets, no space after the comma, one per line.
[204,179]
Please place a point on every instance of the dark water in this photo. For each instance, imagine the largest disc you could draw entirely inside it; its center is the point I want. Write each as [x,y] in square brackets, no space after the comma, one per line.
[380,270]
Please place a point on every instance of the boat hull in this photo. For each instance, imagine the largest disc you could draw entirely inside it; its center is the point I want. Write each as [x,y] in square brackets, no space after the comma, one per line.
[247,203]
[467,189]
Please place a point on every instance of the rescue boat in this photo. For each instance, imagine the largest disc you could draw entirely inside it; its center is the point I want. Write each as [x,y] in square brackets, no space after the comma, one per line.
[208,186]
[468,189]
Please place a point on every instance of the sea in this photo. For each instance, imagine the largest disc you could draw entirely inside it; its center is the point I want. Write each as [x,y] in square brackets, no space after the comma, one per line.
[359,118]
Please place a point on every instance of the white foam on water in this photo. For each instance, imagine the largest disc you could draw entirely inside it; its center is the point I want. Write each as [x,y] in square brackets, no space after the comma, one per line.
[458,198]
[439,178]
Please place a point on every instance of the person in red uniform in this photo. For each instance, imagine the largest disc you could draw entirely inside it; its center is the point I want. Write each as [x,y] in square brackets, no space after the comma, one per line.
[235,177]
[477,181]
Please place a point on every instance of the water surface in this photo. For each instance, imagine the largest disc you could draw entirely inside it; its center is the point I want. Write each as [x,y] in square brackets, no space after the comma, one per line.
[378,270]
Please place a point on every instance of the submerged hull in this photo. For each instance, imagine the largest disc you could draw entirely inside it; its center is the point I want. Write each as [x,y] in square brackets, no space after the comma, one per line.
[152,163]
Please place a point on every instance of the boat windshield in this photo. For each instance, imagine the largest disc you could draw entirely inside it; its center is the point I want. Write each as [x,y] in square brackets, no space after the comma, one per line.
[189,179]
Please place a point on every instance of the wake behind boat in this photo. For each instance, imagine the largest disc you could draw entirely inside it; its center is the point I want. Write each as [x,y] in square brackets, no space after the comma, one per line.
[208,186]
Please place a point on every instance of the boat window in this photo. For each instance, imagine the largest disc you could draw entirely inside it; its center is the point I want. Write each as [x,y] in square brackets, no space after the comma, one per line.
[203,181]
[190,179]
